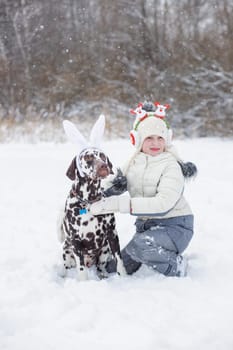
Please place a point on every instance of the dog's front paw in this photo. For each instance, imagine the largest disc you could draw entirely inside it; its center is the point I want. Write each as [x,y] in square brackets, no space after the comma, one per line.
[121,269]
[83,275]
[102,274]
[61,271]
[70,262]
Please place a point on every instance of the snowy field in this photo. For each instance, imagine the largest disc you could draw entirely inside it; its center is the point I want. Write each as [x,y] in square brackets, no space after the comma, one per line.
[41,311]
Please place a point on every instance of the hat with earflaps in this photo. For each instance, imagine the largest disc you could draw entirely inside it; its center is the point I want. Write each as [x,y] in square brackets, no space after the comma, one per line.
[150,119]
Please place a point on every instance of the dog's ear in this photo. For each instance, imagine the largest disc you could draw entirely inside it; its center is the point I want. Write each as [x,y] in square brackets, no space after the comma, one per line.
[110,166]
[71,170]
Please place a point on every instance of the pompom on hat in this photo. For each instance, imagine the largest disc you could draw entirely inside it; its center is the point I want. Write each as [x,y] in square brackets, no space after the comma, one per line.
[150,120]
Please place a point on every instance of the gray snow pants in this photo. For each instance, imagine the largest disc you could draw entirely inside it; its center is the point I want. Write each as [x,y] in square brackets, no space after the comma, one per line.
[157,243]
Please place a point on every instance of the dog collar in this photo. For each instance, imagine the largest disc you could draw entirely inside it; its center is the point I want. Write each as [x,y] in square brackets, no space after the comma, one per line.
[83,211]
[85,202]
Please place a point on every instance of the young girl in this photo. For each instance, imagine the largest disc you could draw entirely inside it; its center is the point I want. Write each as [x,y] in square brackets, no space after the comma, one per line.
[155,183]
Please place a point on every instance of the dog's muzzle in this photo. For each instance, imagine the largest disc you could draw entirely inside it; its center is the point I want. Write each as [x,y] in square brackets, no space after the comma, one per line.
[102,170]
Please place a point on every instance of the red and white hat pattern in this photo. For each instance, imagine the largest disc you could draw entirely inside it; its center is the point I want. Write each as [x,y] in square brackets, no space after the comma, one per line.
[149,121]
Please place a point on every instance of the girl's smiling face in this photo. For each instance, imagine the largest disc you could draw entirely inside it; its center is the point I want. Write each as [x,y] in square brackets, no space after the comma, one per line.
[153,145]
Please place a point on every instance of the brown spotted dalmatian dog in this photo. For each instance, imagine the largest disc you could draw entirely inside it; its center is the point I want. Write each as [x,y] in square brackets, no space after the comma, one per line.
[89,240]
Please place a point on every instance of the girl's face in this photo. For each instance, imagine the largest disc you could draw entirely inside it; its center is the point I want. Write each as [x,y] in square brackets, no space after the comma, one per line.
[153,145]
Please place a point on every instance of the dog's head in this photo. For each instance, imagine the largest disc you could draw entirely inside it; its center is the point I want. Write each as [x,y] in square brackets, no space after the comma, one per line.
[92,163]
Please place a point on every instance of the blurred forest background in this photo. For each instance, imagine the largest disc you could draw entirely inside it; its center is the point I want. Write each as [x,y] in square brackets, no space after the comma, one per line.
[76,58]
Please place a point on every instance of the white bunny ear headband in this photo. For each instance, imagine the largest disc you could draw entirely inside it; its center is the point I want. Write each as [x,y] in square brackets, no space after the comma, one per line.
[75,136]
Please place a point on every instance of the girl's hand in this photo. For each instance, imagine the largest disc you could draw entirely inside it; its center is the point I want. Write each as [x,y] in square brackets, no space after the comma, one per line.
[111,205]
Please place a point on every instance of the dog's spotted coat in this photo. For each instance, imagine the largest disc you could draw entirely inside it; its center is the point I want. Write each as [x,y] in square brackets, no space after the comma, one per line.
[89,240]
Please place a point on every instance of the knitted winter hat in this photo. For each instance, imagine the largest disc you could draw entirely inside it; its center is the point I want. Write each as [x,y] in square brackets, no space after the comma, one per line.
[150,120]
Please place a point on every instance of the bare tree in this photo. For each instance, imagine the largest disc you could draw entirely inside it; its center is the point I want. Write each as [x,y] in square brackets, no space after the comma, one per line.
[56,54]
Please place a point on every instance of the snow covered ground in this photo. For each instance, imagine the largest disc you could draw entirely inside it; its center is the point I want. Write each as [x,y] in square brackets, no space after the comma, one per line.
[41,311]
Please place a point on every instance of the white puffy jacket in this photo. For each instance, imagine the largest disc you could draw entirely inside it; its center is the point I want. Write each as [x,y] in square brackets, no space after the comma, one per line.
[156,186]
